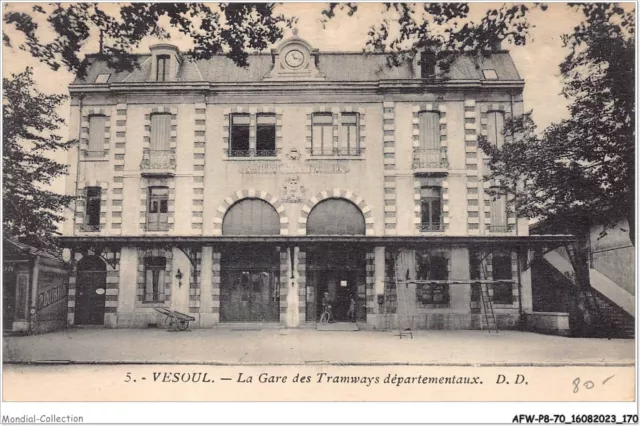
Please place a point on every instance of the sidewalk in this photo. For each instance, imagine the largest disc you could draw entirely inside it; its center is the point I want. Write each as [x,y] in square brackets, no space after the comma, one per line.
[296,346]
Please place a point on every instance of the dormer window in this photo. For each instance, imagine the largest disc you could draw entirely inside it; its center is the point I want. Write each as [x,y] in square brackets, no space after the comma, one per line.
[162,67]
[427,64]
[165,62]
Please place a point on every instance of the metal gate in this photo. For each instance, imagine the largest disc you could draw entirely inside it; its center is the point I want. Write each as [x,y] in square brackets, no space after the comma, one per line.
[250,295]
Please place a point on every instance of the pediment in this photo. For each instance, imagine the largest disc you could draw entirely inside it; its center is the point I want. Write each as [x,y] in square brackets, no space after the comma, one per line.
[295,59]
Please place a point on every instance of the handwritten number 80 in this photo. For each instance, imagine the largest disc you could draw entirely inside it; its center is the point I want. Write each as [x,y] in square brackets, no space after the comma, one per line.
[588,384]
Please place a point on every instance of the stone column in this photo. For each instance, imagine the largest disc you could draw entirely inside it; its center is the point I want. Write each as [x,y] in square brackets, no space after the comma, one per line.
[180,292]
[293,301]
[525,258]
[460,294]
[128,291]
[379,274]
[206,278]
[215,287]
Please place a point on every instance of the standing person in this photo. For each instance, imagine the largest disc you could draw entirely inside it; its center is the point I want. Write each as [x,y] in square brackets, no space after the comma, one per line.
[351,313]
[327,306]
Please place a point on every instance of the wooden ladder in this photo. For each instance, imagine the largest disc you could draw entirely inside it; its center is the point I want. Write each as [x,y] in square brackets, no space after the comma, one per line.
[487,304]
[487,307]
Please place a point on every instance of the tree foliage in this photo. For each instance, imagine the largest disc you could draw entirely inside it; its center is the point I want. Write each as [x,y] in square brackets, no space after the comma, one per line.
[234,28]
[445,28]
[580,171]
[29,121]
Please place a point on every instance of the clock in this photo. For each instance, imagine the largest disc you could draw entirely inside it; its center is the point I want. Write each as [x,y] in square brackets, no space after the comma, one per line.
[294,58]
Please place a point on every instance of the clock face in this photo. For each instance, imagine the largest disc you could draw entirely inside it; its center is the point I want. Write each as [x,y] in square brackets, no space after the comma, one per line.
[294,58]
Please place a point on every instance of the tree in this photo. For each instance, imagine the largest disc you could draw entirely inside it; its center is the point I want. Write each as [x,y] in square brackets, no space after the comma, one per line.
[29,120]
[235,28]
[579,172]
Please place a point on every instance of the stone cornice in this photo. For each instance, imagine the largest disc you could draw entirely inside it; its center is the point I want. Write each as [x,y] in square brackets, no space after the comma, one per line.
[288,88]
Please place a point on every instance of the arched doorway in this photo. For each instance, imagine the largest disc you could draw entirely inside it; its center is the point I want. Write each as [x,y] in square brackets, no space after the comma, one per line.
[91,290]
[250,274]
[336,271]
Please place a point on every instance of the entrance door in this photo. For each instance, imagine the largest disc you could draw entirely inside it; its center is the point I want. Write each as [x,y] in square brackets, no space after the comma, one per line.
[249,295]
[8,296]
[250,285]
[90,292]
[337,273]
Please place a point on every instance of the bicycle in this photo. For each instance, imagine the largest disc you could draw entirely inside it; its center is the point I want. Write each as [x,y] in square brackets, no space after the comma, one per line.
[326,316]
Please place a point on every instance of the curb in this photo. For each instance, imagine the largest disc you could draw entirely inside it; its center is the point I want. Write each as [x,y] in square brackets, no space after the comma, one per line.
[332,363]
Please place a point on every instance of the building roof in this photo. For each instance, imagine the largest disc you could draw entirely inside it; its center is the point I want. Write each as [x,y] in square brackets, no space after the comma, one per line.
[14,249]
[336,66]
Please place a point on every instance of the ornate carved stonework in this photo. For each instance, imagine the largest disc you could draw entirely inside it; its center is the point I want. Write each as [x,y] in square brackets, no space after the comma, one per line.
[294,154]
[294,59]
[294,169]
[293,191]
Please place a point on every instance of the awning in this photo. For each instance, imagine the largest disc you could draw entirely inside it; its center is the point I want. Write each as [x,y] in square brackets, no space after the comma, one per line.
[513,241]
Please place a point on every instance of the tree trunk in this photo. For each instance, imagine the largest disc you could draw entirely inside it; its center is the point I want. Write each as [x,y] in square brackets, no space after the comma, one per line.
[584,320]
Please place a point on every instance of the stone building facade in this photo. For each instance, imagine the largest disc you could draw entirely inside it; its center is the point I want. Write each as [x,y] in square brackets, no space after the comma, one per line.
[257,194]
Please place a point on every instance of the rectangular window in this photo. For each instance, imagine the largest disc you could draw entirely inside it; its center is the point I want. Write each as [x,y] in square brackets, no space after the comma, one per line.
[162,68]
[158,208]
[349,142]
[495,128]
[432,268]
[495,136]
[92,208]
[266,135]
[102,78]
[428,153]
[154,275]
[427,64]
[160,132]
[431,209]
[489,74]
[429,129]
[498,214]
[97,126]
[501,271]
[322,134]
[239,135]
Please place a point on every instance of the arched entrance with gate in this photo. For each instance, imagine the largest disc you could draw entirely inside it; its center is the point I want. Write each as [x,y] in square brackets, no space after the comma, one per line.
[336,272]
[250,274]
[91,288]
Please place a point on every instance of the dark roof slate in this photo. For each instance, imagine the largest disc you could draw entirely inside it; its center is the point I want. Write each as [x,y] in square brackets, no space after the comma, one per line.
[346,66]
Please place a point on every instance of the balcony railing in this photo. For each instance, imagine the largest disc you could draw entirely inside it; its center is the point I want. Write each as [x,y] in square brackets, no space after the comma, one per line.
[158,161]
[431,227]
[157,226]
[252,152]
[93,153]
[430,159]
[336,152]
[89,228]
[500,228]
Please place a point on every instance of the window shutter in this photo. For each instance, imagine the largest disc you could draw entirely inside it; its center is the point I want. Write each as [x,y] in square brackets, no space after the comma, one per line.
[97,125]
[499,211]
[430,134]
[160,132]
[495,128]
